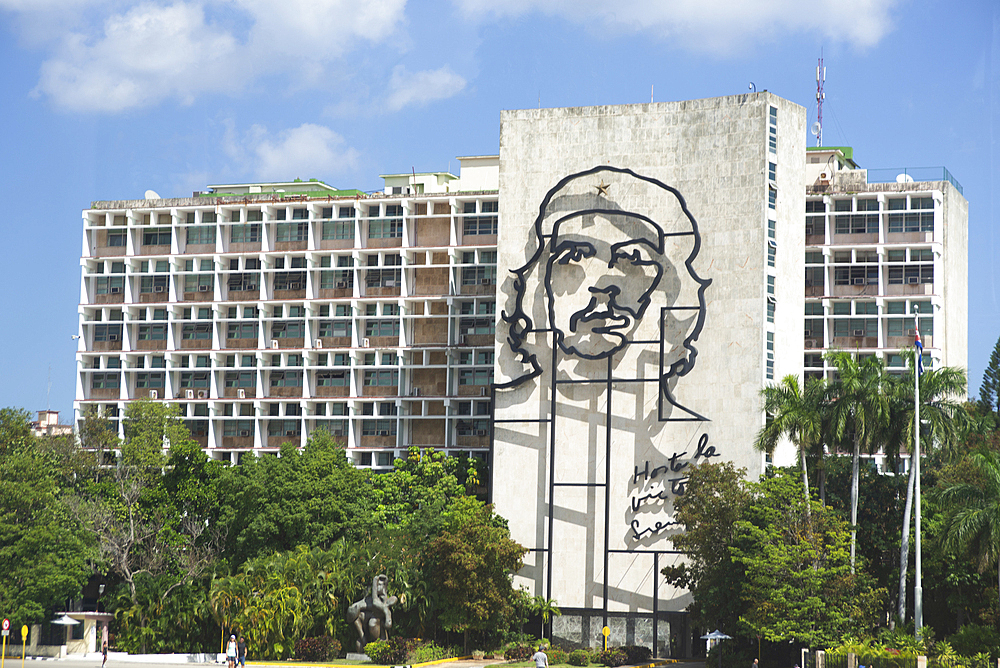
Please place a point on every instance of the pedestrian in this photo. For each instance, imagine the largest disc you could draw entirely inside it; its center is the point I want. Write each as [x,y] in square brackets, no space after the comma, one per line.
[104,644]
[540,658]
[231,652]
[755,664]
[241,651]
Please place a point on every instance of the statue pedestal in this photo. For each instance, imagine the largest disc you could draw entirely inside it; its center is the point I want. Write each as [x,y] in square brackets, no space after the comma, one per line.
[354,656]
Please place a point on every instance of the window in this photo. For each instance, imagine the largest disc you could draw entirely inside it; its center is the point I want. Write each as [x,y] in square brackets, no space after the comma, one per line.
[770,355]
[770,311]
[288,329]
[772,130]
[292,232]
[332,378]
[201,332]
[290,280]
[201,235]
[244,234]
[300,214]
[152,333]
[855,327]
[151,380]
[384,278]
[772,171]
[485,274]
[156,236]
[484,224]
[475,376]
[107,333]
[856,223]
[105,381]
[241,330]
[814,308]
[855,275]
[912,221]
[816,206]
[243,282]
[911,274]
[378,428]
[772,197]
[110,285]
[199,283]
[814,257]
[284,428]
[116,238]
[865,308]
[194,379]
[385,228]
[382,378]
[474,326]
[148,284]
[286,379]
[339,229]
[770,285]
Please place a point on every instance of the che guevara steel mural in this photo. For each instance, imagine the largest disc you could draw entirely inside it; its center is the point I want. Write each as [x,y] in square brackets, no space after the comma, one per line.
[605,315]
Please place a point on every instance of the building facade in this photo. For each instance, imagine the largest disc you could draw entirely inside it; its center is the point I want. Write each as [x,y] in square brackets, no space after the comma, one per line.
[269,311]
[883,260]
[656,285]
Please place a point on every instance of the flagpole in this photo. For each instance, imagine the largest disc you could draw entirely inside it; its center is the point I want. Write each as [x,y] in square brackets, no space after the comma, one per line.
[918,590]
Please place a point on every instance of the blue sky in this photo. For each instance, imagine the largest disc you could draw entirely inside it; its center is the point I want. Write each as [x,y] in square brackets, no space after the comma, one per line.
[104,99]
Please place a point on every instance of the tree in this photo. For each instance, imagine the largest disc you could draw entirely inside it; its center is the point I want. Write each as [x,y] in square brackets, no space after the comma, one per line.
[861,410]
[546,609]
[973,511]
[471,563]
[798,584]
[153,540]
[942,415]
[795,414]
[44,552]
[989,390]
[714,499]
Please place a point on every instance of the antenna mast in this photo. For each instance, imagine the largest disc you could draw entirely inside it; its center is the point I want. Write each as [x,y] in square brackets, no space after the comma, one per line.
[820,95]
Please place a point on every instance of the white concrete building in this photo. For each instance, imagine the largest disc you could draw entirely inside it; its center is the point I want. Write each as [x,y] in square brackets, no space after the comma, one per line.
[267,311]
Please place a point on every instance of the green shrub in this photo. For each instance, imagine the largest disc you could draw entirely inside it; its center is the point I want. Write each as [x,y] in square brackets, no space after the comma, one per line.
[614,656]
[317,649]
[391,652]
[578,657]
[427,651]
[637,654]
[556,655]
[518,652]
[972,639]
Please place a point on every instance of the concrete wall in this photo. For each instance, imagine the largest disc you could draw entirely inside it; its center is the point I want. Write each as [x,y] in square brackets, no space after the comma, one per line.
[610,517]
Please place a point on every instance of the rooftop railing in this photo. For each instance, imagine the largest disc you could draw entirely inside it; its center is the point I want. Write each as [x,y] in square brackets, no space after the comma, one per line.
[906,174]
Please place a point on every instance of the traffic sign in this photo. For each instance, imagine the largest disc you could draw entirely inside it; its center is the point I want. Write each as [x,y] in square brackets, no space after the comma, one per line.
[6,625]
[24,633]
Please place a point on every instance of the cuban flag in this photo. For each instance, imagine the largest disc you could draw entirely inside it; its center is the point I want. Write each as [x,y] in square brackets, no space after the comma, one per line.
[920,352]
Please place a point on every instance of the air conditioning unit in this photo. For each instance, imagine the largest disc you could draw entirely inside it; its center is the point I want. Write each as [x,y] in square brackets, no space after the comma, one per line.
[825,176]
[381,433]
[808,332]
[203,394]
[480,432]
[341,285]
[337,432]
[911,332]
[485,281]
[482,391]
[859,281]
[289,433]
[366,342]
[159,288]
[274,344]
[114,289]
[241,393]
[319,343]
[203,288]
[811,343]
[390,284]
[294,286]
[153,394]
[112,337]
[189,394]
[244,432]
[859,332]
[912,280]
[252,286]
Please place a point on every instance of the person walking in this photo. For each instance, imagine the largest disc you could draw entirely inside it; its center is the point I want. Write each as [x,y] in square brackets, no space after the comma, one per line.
[755,664]
[231,652]
[241,651]
[540,658]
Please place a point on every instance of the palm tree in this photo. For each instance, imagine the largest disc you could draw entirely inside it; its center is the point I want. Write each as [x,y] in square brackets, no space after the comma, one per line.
[942,415]
[797,415]
[546,607]
[973,519]
[861,409]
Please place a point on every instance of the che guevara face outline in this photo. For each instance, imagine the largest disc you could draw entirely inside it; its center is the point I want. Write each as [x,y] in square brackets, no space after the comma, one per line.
[604,266]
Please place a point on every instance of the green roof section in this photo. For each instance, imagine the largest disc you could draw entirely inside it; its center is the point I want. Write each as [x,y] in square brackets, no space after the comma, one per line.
[846,151]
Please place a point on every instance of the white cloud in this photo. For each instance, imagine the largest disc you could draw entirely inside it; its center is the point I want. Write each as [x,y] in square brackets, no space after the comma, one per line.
[724,27]
[308,151]
[158,50]
[422,87]
[143,56]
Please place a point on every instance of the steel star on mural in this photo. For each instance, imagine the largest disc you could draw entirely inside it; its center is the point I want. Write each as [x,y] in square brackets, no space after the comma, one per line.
[602,188]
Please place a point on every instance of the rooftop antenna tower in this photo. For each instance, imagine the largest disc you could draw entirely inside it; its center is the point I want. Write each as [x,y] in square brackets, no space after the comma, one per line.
[820,96]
